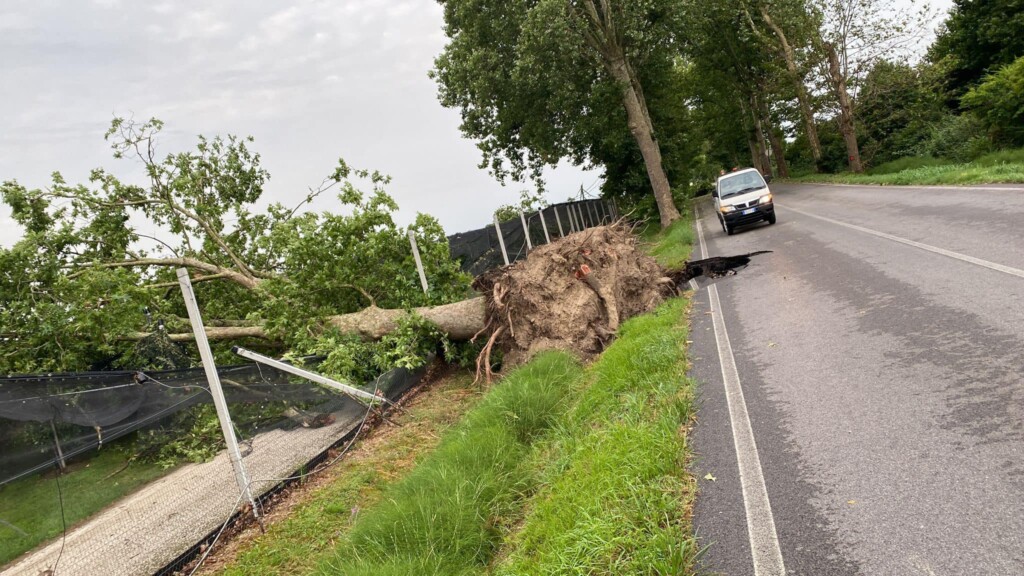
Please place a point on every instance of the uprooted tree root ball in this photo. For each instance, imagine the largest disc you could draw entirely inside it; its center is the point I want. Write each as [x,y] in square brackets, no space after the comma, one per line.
[571,294]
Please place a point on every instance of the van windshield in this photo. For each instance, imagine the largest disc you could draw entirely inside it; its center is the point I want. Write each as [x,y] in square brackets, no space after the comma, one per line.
[740,184]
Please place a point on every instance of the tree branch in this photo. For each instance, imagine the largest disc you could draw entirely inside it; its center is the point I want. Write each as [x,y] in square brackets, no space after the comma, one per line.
[236,277]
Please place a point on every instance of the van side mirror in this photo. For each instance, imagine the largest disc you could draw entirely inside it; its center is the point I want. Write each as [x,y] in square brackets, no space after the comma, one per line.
[714,193]
[768,179]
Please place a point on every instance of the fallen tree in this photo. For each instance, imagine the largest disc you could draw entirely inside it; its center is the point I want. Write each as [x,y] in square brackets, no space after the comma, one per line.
[85,284]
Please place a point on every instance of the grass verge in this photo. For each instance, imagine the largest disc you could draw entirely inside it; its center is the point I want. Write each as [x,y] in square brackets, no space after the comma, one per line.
[448,516]
[302,534]
[1006,166]
[616,495]
[30,508]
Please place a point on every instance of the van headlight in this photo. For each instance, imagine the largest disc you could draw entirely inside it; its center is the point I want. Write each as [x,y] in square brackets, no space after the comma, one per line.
[726,208]
[766,199]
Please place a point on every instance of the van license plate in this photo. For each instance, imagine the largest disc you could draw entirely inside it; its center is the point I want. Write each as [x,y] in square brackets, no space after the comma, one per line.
[750,210]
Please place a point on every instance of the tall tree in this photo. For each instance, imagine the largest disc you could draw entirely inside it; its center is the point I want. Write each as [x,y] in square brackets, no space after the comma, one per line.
[853,36]
[531,79]
[792,15]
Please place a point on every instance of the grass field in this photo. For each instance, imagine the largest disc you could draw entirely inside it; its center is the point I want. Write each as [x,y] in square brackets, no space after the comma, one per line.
[1006,166]
[30,508]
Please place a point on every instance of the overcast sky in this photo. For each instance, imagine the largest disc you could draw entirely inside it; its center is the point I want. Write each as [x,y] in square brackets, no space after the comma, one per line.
[310,80]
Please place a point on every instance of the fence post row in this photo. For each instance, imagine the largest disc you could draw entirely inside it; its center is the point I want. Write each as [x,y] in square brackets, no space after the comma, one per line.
[544,225]
[419,262]
[526,232]
[215,389]
[501,239]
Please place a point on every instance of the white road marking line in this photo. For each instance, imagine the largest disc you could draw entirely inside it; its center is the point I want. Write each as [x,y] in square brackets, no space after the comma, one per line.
[956,255]
[764,541]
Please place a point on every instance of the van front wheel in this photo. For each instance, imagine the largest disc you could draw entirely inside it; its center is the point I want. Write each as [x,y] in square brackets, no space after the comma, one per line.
[771,218]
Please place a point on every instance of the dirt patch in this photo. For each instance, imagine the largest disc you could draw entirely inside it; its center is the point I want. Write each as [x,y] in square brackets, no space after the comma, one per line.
[571,294]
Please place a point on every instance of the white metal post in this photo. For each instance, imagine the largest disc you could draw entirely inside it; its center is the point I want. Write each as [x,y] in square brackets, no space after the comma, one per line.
[558,219]
[312,376]
[602,214]
[526,231]
[215,389]
[501,239]
[544,225]
[592,212]
[615,209]
[572,218]
[583,221]
[419,262]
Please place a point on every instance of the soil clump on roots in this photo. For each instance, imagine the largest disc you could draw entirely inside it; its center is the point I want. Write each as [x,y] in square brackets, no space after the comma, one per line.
[571,294]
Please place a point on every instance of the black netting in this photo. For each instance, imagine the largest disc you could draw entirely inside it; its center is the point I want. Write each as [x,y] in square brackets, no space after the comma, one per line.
[478,251]
[46,418]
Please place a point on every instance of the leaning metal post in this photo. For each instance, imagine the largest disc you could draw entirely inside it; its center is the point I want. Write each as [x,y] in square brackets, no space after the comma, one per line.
[501,239]
[526,232]
[558,219]
[544,225]
[312,376]
[419,262]
[215,389]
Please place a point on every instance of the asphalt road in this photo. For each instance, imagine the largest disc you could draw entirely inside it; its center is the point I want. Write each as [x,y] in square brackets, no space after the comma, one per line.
[879,367]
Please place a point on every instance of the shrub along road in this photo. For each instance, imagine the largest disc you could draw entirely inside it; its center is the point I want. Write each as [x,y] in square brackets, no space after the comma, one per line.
[879,350]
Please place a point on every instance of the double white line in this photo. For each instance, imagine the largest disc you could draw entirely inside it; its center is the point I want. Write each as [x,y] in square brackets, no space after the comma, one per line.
[764,541]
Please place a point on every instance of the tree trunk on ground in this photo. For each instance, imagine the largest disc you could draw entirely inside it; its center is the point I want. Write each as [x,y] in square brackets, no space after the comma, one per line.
[804,99]
[601,34]
[778,151]
[460,320]
[846,122]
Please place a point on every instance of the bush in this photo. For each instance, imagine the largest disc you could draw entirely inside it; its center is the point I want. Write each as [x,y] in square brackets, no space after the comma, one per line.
[908,163]
[999,104]
[958,138]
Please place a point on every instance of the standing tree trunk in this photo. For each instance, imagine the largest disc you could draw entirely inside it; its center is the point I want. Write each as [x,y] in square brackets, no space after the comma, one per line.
[802,97]
[762,150]
[846,123]
[600,33]
[778,151]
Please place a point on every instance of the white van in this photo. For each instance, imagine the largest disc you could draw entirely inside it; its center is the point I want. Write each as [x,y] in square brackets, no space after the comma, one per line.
[742,198]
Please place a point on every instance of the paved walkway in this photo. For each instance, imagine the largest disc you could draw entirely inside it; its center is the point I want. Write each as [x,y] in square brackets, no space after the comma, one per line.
[145,531]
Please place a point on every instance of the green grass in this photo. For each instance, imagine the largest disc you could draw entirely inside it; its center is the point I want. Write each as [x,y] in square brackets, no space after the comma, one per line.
[1006,166]
[32,504]
[616,494]
[670,247]
[449,514]
[302,540]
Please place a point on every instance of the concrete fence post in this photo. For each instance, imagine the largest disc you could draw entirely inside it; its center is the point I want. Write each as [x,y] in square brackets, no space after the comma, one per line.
[501,239]
[419,262]
[215,389]
[526,231]
[544,225]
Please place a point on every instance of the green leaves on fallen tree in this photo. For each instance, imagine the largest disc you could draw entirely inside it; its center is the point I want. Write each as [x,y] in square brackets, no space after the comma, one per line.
[74,289]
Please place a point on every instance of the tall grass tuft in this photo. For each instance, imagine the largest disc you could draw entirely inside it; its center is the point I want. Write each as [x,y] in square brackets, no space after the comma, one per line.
[448,516]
